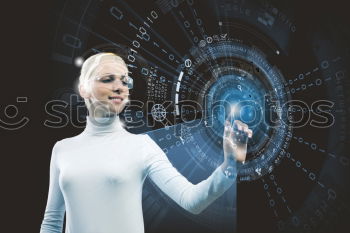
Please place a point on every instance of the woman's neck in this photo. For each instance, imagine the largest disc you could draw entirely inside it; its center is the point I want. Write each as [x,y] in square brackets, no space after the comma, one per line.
[99,124]
[104,114]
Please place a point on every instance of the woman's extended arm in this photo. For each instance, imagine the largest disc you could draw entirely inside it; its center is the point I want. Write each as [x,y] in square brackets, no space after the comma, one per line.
[55,208]
[192,197]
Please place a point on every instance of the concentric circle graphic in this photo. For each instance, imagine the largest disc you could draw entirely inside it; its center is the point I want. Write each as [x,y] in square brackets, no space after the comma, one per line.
[239,82]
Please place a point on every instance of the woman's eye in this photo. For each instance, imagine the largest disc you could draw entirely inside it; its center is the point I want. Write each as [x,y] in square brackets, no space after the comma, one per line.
[125,83]
[107,80]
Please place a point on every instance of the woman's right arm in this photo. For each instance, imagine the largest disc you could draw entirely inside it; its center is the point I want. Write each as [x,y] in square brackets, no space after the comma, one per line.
[55,208]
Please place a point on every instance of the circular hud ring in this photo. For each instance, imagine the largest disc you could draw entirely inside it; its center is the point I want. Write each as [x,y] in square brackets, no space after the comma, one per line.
[237,82]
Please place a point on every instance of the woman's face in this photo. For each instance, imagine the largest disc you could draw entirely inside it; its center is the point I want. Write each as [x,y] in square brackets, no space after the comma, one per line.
[109,89]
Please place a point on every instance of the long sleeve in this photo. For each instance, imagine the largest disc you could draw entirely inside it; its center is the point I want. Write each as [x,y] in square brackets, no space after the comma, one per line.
[192,197]
[55,207]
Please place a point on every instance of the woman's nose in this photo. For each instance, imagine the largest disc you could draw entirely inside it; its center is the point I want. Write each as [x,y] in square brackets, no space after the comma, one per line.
[117,84]
[116,91]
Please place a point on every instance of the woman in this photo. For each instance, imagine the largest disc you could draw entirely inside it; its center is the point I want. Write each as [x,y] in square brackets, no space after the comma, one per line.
[96,177]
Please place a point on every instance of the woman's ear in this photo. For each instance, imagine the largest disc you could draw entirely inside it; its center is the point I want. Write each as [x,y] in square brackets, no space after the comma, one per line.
[83,92]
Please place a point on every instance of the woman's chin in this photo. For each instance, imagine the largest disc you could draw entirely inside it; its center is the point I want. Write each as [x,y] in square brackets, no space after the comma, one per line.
[111,108]
[117,108]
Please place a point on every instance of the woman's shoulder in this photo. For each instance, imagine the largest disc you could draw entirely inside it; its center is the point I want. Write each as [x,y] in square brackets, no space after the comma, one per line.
[136,136]
[67,142]
[140,139]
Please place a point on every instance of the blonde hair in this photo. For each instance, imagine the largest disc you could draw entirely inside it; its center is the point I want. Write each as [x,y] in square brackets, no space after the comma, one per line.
[88,70]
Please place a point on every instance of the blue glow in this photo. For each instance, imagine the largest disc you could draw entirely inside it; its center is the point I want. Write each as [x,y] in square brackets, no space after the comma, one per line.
[242,98]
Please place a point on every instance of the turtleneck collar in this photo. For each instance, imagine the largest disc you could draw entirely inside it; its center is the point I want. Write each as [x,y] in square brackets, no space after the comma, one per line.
[103,125]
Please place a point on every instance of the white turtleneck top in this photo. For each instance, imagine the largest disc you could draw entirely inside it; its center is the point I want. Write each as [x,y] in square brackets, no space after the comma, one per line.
[96,178]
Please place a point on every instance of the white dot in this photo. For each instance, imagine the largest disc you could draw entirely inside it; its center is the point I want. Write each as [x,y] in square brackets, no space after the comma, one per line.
[78,61]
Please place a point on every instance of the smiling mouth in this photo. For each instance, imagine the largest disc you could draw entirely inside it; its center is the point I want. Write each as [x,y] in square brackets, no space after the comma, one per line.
[115,98]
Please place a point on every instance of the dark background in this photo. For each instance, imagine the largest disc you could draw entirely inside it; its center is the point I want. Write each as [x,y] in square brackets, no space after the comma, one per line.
[26,39]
